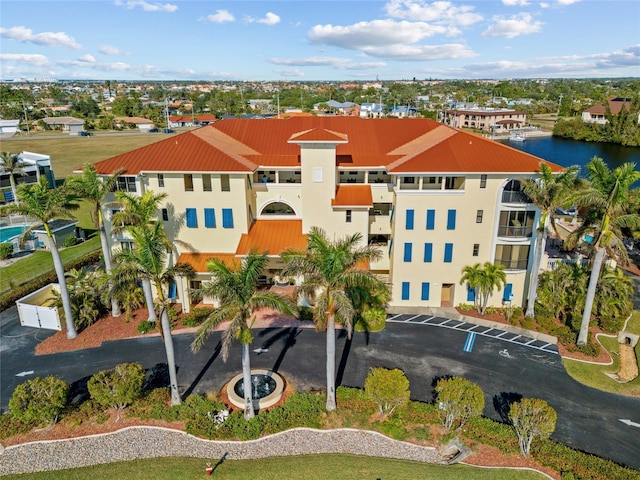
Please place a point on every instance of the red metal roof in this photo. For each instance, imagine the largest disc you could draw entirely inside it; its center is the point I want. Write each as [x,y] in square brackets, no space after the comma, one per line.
[353,196]
[273,236]
[400,145]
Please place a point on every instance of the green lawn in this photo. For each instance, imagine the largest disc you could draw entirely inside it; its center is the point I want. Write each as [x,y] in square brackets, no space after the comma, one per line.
[69,153]
[40,262]
[595,375]
[308,467]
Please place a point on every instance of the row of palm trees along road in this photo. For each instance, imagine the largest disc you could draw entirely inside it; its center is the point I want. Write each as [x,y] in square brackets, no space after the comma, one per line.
[331,270]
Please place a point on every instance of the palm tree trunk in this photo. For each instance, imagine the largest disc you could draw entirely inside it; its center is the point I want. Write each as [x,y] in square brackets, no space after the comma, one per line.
[249,412]
[106,253]
[535,271]
[64,293]
[591,293]
[13,188]
[148,297]
[331,364]
[171,360]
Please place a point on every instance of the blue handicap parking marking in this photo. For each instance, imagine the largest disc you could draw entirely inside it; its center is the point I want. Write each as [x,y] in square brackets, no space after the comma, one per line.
[468,344]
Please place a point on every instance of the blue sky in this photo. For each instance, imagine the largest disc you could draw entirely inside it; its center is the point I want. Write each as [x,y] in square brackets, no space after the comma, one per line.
[318,40]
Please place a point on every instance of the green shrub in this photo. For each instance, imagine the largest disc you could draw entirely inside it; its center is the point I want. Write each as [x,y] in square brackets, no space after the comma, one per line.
[236,427]
[118,387]
[590,349]
[528,323]
[70,241]
[372,320]
[146,326]
[355,399]
[612,325]
[489,432]
[155,404]
[418,413]
[467,307]
[300,410]
[10,426]
[388,389]
[197,315]
[458,401]
[305,314]
[6,250]
[532,418]
[87,411]
[39,400]
[393,428]
[198,411]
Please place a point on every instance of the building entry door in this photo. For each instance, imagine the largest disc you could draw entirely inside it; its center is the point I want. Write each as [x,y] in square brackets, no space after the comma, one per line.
[446,297]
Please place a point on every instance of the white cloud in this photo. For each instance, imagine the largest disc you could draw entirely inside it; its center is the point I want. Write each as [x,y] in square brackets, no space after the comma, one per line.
[521,24]
[421,53]
[335,62]
[49,39]
[270,18]
[221,16]
[36,60]
[442,12]
[87,58]
[146,6]
[293,73]
[567,2]
[515,3]
[544,5]
[109,50]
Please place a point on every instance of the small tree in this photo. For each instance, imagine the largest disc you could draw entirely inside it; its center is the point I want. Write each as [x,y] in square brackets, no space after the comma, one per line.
[458,400]
[531,418]
[388,389]
[39,400]
[117,387]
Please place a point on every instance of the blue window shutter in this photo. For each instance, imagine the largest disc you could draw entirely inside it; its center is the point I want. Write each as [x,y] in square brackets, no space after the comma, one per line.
[448,252]
[405,290]
[451,220]
[428,252]
[508,291]
[471,294]
[408,250]
[431,219]
[227,218]
[172,289]
[209,218]
[192,218]
[425,291]
[409,222]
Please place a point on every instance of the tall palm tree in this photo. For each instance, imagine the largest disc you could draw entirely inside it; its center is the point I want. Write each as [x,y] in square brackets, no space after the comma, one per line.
[37,201]
[139,210]
[148,260]
[484,279]
[607,211]
[548,192]
[236,288]
[329,268]
[95,190]
[12,164]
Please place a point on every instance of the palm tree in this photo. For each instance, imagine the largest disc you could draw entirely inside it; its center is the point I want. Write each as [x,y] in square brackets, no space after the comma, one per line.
[12,164]
[148,260]
[606,205]
[484,279]
[548,192]
[139,211]
[329,268]
[90,187]
[236,288]
[37,201]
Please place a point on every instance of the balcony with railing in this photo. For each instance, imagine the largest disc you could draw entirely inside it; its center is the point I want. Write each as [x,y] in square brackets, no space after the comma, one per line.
[515,231]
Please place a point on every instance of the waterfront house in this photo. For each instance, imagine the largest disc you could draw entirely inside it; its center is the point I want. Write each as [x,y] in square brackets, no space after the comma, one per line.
[598,113]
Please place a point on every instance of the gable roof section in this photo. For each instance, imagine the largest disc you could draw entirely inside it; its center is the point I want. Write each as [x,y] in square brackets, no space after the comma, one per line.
[273,236]
[353,196]
[399,145]
[615,106]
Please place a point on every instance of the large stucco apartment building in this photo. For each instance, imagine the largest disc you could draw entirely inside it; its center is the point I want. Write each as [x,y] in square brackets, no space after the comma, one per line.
[433,198]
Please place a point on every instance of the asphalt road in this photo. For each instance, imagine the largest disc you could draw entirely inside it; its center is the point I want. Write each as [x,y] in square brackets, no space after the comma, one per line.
[587,419]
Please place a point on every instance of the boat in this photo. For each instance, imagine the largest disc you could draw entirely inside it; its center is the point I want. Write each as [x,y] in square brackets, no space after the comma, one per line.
[516,137]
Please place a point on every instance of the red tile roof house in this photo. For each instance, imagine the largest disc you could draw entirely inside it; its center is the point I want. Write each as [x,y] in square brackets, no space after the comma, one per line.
[432,198]
[598,113]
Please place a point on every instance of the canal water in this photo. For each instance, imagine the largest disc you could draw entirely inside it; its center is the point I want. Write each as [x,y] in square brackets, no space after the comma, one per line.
[566,152]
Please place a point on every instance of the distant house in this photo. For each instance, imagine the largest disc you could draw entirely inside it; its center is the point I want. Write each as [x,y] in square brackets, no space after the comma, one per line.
[8,128]
[190,120]
[342,108]
[372,110]
[143,124]
[403,111]
[497,120]
[65,124]
[598,113]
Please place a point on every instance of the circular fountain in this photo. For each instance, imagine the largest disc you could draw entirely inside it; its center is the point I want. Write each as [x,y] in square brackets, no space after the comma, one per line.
[266,388]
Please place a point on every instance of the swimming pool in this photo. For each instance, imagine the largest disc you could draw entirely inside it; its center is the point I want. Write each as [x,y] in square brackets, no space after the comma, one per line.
[7,233]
